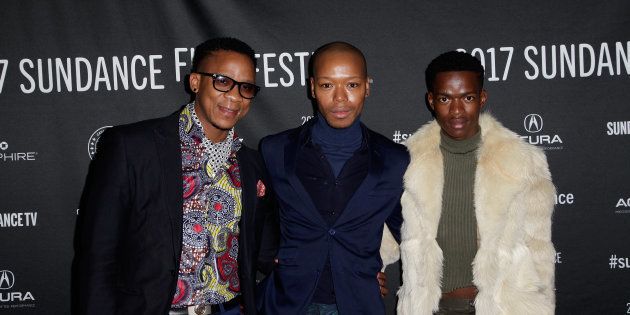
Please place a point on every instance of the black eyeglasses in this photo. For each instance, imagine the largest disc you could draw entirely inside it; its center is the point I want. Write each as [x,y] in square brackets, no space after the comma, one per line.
[223,83]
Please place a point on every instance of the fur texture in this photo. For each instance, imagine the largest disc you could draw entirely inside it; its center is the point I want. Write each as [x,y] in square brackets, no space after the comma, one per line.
[514,198]
[389,248]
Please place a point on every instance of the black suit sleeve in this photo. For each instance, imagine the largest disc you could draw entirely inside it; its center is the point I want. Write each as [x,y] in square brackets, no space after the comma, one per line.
[270,237]
[395,219]
[103,214]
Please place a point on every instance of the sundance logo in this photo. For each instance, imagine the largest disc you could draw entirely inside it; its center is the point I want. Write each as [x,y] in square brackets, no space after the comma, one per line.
[533,124]
[558,258]
[565,199]
[93,141]
[18,219]
[616,128]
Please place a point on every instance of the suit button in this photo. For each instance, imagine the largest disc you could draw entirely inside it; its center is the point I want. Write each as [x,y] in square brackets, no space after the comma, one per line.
[332,232]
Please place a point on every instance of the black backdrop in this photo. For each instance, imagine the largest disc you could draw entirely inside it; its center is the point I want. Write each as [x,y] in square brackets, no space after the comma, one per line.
[558,74]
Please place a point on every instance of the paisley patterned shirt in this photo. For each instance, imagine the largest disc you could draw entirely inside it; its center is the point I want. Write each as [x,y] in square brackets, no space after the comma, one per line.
[208,271]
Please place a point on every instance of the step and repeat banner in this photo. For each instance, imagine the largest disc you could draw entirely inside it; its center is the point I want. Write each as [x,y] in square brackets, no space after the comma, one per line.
[557,73]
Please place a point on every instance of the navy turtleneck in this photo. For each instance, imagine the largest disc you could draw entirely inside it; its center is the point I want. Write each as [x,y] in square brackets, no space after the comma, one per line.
[337,144]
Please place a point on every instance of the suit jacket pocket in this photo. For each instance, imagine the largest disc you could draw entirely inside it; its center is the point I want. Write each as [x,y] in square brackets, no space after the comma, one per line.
[130,301]
[287,256]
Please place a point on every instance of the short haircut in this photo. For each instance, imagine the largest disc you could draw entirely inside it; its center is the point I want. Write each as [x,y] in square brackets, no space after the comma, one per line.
[338,47]
[453,61]
[210,46]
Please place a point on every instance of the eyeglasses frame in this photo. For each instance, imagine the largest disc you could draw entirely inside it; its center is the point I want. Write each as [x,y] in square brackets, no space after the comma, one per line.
[214,77]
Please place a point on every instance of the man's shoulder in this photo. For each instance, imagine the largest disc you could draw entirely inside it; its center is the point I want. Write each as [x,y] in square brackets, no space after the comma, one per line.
[249,158]
[497,136]
[425,139]
[504,149]
[245,152]
[145,126]
[138,136]
[388,146]
[282,137]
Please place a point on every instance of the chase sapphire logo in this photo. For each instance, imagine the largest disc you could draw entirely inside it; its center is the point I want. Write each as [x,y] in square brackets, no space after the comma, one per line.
[7,279]
[4,145]
[93,142]
[533,123]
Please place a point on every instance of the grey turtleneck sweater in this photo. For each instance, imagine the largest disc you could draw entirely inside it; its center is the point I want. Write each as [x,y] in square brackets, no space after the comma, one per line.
[457,232]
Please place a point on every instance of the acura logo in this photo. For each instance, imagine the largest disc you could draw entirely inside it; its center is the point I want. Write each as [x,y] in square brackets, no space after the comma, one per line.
[533,123]
[7,279]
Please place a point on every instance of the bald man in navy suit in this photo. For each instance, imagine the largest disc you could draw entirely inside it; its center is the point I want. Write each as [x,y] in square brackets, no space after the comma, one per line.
[337,182]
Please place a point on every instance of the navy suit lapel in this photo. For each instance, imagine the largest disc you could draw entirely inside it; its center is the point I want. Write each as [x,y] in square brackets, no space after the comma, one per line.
[375,169]
[290,158]
[170,156]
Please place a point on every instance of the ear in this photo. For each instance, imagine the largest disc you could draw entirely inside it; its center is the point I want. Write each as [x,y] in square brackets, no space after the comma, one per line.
[312,81]
[193,81]
[430,99]
[367,86]
[483,97]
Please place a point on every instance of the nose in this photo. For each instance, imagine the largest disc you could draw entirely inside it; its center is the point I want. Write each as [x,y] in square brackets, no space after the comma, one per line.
[457,106]
[234,94]
[339,94]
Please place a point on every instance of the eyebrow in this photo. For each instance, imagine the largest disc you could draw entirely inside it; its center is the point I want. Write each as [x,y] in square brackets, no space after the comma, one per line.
[227,76]
[352,77]
[450,94]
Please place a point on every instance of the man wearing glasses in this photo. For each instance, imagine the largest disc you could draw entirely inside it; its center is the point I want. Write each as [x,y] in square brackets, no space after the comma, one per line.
[174,209]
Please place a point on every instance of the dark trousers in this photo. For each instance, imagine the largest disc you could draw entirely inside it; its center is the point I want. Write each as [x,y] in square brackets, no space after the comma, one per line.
[452,306]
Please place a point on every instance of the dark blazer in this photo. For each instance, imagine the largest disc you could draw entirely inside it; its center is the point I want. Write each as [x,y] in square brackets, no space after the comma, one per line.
[352,242]
[131,217]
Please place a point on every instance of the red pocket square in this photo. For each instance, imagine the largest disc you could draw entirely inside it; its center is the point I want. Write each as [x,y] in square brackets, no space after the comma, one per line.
[260,189]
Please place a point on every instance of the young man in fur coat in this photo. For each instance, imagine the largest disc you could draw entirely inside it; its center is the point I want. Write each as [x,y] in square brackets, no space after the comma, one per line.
[477,207]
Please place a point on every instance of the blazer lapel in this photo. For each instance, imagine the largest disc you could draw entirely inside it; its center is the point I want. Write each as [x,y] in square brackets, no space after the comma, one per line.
[169,154]
[375,169]
[248,204]
[290,158]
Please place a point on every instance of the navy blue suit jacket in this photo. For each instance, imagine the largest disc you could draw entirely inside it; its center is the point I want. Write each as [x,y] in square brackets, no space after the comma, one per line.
[352,243]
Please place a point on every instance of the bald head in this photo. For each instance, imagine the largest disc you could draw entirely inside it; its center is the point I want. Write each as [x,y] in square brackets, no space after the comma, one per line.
[336,49]
[339,83]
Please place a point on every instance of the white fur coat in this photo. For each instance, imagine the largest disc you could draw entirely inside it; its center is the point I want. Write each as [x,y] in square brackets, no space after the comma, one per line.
[514,198]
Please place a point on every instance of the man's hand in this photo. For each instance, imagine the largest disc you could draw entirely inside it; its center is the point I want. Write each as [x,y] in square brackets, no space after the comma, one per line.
[382,283]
